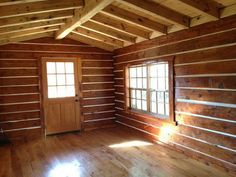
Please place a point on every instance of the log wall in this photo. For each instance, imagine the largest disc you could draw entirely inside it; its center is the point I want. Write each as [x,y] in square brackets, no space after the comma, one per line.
[205,91]
[20,85]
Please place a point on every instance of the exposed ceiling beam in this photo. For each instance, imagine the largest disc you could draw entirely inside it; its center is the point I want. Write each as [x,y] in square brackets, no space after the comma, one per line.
[208,7]
[109,32]
[11,2]
[121,25]
[25,27]
[228,11]
[159,11]
[91,8]
[38,34]
[135,19]
[100,37]
[76,36]
[39,7]
[23,20]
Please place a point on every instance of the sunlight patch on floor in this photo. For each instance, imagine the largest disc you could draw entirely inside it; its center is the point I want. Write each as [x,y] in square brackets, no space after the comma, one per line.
[69,169]
[135,143]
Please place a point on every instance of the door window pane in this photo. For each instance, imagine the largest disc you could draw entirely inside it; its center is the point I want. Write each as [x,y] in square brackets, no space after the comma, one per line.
[70,80]
[52,92]
[61,79]
[52,80]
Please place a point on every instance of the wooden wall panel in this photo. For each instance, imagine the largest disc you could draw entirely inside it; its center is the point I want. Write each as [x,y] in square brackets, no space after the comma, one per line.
[205,91]
[20,90]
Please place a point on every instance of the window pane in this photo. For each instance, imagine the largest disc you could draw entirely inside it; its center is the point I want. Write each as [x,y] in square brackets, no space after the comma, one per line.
[61,91]
[138,92]
[144,95]
[51,67]
[70,91]
[144,83]
[132,72]
[139,104]
[69,67]
[153,96]
[139,83]
[52,92]
[52,80]
[161,70]
[167,109]
[61,80]
[139,72]
[133,103]
[133,94]
[70,80]
[144,71]
[153,83]
[161,84]
[60,67]
[153,70]
[160,97]
[153,107]
[144,105]
[133,83]
[167,97]
[160,108]
[167,70]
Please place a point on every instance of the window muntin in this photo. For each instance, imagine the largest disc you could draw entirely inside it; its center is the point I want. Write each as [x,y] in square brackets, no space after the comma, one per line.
[60,79]
[149,88]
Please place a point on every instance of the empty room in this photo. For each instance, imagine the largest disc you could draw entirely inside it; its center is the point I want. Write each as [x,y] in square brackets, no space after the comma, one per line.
[117,88]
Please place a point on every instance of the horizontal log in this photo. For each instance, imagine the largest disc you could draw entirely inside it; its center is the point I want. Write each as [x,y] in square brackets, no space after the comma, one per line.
[96,64]
[95,109]
[97,78]
[29,134]
[205,110]
[98,94]
[19,81]
[221,126]
[207,95]
[206,55]
[97,86]
[98,124]
[19,116]
[207,68]
[19,90]
[96,71]
[18,72]
[22,124]
[19,98]
[97,101]
[15,63]
[19,107]
[95,116]
[207,82]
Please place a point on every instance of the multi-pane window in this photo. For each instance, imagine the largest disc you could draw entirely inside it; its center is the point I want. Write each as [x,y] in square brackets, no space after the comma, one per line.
[60,79]
[148,88]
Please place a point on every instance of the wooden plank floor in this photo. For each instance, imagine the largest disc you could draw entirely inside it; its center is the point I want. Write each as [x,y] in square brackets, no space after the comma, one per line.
[112,152]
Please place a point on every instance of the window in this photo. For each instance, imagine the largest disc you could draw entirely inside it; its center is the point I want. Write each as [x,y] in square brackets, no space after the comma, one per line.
[60,79]
[148,88]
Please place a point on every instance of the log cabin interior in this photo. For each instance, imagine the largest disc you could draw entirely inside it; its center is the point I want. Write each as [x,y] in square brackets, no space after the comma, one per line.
[117,88]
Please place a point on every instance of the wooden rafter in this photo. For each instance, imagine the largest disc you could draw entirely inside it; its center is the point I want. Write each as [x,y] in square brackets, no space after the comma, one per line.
[159,11]
[209,7]
[39,7]
[98,36]
[109,32]
[25,27]
[14,2]
[91,8]
[121,25]
[23,20]
[92,42]
[135,19]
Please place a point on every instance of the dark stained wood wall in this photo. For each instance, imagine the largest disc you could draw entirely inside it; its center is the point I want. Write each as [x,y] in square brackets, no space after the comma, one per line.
[20,95]
[205,91]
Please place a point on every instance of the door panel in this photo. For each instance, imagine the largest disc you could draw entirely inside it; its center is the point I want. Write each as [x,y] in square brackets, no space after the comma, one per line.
[61,94]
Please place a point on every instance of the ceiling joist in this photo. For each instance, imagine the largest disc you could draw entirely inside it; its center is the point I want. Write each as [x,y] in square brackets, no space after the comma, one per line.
[91,8]
[76,36]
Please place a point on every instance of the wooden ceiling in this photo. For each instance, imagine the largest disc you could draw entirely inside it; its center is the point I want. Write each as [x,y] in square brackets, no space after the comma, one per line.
[107,24]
